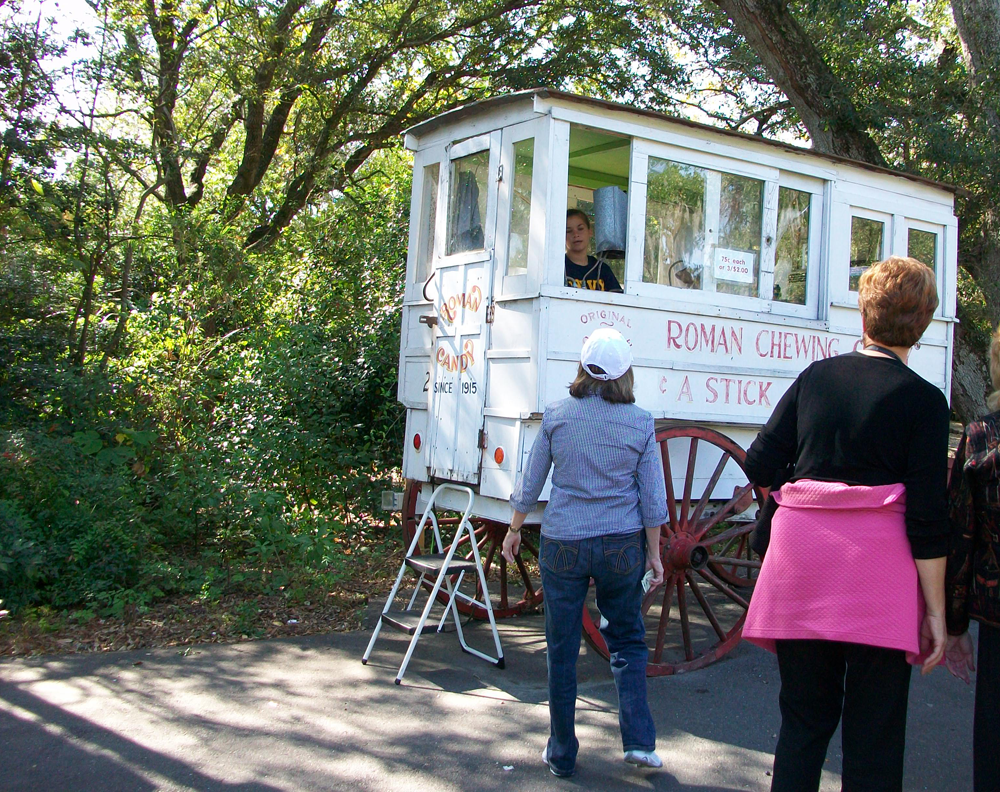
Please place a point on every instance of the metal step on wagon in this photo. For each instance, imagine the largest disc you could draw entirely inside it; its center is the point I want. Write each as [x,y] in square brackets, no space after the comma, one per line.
[739,260]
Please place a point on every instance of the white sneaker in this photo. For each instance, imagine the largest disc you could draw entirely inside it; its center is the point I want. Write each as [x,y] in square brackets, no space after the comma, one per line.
[643,758]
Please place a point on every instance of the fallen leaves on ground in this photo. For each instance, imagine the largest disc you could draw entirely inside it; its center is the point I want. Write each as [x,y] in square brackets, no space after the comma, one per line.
[185,620]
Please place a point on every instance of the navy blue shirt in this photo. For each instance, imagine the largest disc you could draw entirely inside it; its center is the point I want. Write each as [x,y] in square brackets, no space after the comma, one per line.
[597,275]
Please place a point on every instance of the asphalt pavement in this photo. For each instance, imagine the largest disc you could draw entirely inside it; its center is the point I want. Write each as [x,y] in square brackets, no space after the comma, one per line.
[305,714]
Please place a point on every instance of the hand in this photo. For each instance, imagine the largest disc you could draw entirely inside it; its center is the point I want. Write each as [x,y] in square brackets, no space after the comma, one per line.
[959,657]
[511,546]
[933,636]
[654,562]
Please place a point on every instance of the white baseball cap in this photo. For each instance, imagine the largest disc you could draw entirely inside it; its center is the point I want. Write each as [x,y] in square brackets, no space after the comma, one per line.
[607,349]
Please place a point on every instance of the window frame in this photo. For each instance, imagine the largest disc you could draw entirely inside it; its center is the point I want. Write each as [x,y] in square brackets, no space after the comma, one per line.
[489,141]
[516,133]
[773,179]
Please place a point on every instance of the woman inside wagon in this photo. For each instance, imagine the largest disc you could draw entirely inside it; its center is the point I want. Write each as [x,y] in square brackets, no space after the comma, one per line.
[602,521]
[851,590]
[584,271]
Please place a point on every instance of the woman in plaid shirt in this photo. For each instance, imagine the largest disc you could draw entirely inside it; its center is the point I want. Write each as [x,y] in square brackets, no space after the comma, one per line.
[973,580]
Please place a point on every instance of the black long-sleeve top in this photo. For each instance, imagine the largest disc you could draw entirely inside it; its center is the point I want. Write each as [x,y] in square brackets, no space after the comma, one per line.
[864,420]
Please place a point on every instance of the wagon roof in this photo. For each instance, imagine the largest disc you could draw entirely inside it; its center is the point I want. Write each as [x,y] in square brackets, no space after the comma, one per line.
[473,108]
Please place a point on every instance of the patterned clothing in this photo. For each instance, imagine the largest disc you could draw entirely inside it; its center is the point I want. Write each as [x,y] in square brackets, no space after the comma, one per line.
[973,581]
[608,476]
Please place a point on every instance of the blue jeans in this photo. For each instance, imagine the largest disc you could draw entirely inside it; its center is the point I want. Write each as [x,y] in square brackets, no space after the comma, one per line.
[617,564]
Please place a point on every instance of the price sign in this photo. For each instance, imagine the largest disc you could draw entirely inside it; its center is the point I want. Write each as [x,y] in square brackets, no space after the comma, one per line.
[734,265]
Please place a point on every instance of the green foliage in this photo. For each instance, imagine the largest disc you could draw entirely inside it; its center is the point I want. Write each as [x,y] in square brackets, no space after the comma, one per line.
[203,464]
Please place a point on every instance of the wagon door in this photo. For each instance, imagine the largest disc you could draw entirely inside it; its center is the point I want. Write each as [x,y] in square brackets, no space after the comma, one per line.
[462,289]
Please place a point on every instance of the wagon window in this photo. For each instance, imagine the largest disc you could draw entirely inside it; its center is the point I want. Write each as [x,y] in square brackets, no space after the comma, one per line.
[520,207]
[737,256]
[922,245]
[467,202]
[599,159]
[674,250]
[866,246]
[792,250]
[428,219]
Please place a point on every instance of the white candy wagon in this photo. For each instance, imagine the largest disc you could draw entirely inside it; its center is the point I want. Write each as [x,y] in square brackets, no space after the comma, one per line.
[740,261]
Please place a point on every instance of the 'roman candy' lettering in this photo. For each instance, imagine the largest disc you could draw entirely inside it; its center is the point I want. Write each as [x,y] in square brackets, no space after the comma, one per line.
[450,362]
[470,300]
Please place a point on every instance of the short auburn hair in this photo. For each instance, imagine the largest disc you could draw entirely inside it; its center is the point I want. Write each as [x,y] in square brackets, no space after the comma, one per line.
[897,298]
[616,391]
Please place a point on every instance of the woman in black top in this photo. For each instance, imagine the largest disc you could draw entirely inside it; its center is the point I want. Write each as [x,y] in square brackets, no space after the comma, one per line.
[863,419]
[973,580]
[582,270]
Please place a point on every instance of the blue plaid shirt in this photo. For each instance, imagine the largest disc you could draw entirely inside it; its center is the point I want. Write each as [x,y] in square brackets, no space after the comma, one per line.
[608,476]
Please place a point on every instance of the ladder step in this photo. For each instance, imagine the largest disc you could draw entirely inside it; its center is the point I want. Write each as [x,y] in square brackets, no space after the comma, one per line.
[407,621]
[434,562]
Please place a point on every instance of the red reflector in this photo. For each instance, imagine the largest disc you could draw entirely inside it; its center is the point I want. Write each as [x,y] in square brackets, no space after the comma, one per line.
[498,455]
[416,442]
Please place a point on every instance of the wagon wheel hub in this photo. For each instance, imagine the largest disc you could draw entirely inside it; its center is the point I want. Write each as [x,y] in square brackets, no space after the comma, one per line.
[682,552]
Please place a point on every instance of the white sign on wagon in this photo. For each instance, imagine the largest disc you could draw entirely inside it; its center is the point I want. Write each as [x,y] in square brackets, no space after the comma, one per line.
[733,265]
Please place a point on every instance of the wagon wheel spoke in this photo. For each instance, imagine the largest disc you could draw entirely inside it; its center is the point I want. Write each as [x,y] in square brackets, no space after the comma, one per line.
[709,488]
[705,606]
[482,534]
[688,483]
[669,481]
[503,582]
[685,623]
[529,590]
[526,545]
[661,630]
[720,515]
[724,588]
[742,563]
[487,564]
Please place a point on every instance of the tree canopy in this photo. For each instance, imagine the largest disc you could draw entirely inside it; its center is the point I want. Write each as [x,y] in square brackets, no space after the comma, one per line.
[203,207]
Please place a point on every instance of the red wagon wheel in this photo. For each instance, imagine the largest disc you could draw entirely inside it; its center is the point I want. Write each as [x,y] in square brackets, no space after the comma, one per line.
[708,566]
[513,589]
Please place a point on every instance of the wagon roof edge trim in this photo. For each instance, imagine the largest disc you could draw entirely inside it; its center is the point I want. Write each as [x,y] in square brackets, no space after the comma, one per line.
[472,108]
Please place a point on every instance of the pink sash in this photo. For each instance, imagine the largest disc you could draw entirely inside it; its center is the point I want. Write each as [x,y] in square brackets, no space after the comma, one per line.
[838,568]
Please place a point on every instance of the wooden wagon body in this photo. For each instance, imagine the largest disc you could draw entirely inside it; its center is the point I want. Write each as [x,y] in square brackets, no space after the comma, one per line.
[739,266]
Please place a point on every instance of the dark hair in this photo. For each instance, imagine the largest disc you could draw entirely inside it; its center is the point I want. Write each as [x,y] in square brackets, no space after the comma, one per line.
[616,391]
[897,298]
[578,213]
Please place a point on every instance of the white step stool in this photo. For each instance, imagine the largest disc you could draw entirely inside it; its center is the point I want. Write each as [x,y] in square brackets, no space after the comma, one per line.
[442,566]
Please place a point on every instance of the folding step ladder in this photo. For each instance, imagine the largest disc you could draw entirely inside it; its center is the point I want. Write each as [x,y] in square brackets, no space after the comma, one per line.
[442,566]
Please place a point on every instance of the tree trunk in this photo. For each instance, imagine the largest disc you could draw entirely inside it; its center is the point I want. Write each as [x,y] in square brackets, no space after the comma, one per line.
[798,69]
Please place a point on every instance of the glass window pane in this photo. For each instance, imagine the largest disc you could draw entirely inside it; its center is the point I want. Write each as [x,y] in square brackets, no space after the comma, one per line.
[791,257]
[737,256]
[428,221]
[674,250]
[922,245]
[520,207]
[467,202]
[866,246]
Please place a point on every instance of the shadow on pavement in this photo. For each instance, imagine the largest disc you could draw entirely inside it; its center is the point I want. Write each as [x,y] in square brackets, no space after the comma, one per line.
[41,750]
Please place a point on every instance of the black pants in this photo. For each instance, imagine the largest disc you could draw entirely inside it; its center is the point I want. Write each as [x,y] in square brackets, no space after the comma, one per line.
[820,680]
[986,732]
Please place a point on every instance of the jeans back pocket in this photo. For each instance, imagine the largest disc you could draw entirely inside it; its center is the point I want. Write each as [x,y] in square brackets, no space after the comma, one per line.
[559,556]
[623,552]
